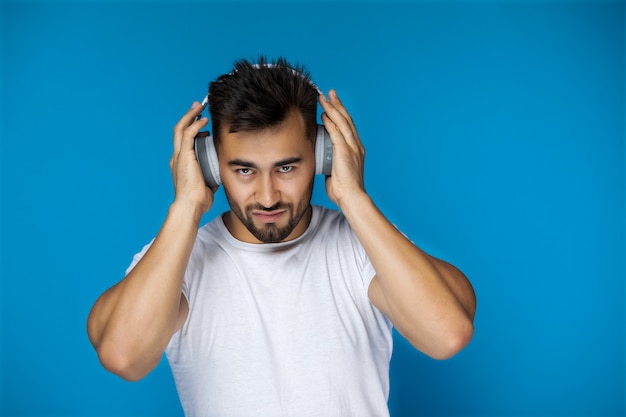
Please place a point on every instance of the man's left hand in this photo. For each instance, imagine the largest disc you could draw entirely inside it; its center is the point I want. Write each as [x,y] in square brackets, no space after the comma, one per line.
[347,179]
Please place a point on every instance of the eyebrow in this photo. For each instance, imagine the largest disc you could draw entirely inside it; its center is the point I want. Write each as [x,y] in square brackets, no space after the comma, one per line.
[247,164]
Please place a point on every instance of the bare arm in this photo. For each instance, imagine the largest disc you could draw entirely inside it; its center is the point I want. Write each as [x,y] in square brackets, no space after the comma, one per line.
[131,323]
[429,301]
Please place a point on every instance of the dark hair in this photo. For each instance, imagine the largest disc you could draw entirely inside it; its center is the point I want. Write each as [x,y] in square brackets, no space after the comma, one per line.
[258,96]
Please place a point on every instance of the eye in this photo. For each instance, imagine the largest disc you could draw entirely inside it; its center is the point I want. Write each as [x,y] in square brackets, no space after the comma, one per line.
[244,171]
[286,168]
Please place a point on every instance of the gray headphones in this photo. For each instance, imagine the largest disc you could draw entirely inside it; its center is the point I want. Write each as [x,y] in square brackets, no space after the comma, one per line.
[209,165]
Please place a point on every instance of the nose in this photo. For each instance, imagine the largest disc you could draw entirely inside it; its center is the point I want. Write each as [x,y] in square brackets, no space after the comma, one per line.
[267,194]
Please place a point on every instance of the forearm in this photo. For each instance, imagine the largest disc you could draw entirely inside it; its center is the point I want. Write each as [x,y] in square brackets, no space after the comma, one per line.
[429,301]
[131,324]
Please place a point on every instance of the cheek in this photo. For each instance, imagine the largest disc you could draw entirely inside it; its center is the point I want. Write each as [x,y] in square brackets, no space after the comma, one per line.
[301,189]
[236,192]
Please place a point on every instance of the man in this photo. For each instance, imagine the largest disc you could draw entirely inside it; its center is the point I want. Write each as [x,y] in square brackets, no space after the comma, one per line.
[277,307]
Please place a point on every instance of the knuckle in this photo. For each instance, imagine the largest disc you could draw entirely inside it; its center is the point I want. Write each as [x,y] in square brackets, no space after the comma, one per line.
[189,131]
[178,127]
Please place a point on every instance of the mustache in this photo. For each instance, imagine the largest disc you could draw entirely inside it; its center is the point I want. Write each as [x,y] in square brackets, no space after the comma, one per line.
[277,206]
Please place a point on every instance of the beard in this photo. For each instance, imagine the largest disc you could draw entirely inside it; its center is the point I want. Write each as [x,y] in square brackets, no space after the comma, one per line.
[270,232]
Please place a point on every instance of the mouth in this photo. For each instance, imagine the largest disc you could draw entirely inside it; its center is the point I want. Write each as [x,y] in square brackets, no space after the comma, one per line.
[268,216]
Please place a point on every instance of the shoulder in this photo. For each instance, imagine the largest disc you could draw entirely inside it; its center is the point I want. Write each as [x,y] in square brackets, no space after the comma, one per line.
[332,224]
[211,230]
[210,239]
[327,216]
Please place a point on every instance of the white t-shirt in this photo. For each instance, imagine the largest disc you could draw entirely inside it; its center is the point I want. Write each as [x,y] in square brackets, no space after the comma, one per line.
[282,329]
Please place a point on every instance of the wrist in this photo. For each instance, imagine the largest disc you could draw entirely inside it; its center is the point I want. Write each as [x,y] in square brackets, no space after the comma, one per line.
[187,210]
[355,202]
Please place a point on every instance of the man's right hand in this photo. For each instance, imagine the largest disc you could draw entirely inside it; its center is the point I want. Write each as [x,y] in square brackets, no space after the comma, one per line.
[189,186]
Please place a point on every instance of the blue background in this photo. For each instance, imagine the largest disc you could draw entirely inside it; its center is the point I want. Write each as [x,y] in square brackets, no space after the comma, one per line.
[495,136]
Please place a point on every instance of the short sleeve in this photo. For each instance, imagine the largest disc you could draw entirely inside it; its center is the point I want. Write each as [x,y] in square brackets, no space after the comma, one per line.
[138,257]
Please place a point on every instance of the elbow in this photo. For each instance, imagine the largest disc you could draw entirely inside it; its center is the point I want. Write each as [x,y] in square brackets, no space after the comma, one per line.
[454,341]
[445,342]
[121,364]
[113,357]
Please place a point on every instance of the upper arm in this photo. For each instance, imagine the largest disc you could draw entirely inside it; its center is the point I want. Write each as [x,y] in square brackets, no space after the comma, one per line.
[377,297]
[454,279]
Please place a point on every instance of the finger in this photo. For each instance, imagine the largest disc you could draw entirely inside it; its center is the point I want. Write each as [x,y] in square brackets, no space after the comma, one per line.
[338,115]
[335,101]
[191,132]
[343,124]
[329,122]
[184,122]
[332,129]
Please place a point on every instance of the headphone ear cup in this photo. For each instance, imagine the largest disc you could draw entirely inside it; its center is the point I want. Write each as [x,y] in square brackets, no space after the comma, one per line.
[207,159]
[323,152]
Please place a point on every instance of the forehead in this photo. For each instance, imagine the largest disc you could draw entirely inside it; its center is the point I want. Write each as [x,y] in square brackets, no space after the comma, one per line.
[287,139]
